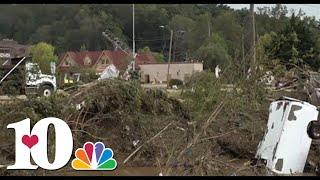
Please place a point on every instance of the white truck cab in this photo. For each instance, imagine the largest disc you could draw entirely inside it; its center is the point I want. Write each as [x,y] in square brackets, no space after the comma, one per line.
[34,82]
[42,84]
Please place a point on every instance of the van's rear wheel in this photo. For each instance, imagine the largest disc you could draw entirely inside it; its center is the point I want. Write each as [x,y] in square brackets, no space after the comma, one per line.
[46,91]
[313,130]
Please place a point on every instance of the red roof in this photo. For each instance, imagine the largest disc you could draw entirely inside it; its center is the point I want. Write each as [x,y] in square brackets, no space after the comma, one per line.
[78,57]
[121,59]
[144,58]
[118,58]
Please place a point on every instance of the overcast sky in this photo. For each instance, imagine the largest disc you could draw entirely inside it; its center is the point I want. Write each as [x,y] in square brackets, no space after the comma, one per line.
[309,9]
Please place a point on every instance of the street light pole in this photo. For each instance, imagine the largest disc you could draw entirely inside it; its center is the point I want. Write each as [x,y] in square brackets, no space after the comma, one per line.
[171,34]
[163,40]
[253,66]
[133,41]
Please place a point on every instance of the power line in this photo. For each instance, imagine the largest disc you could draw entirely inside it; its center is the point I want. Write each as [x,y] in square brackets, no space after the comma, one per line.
[307,5]
[149,39]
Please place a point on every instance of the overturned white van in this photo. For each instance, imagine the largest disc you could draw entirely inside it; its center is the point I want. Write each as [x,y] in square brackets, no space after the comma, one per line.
[285,145]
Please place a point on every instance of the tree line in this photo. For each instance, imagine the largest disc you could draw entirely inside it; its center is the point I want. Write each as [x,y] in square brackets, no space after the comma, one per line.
[212,33]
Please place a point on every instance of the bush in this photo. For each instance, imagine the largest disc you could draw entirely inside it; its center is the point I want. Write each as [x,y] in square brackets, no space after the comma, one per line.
[203,91]
[134,75]
[88,77]
[14,83]
[176,82]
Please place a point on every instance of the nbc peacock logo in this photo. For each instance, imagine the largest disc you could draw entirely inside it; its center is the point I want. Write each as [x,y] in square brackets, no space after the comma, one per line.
[94,157]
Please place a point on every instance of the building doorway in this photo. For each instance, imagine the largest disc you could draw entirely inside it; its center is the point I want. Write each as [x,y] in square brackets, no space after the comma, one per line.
[147,78]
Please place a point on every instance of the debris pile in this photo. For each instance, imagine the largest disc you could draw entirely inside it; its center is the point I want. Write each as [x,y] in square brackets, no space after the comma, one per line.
[119,113]
[209,132]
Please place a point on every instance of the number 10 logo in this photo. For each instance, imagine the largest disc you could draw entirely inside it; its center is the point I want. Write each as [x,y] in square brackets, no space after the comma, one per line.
[34,143]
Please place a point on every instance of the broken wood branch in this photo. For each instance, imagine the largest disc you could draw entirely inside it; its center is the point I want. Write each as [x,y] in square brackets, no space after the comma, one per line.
[97,137]
[217,136]
[196,138]
[134,152]
[6,145]
[204,127]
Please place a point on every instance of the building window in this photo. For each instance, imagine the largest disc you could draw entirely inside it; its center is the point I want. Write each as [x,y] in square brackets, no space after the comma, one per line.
[87,61]
[67,63]
[104,61]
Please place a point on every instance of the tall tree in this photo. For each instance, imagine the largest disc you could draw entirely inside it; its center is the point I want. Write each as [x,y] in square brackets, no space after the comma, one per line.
[297,43]
[214,52]
[43,53]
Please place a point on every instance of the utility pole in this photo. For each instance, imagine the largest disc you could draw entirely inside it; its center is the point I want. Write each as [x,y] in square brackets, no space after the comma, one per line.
[174,46]
[243,60]
[253,38]
[171,34]
[253,70]
[163,42]
[209,30]
[133,41]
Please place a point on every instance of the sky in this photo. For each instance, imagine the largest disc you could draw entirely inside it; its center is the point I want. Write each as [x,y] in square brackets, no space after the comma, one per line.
[309,9]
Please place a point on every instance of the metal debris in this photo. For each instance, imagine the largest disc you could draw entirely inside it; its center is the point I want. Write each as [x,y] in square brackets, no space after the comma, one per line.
[135,142]
[110,72]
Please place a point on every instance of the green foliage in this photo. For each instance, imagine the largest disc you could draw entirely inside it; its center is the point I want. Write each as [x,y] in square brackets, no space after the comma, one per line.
[88,75]
[157,102]
[42,54]
[53,106]
[120,110]
[228,26]
[83,47]
[145,49]
[113,96]
[205,92]
[56,105]
[214,52]
[73,27]
[14,83]
[134,75]
[158,56]
[297,43]
[261,52]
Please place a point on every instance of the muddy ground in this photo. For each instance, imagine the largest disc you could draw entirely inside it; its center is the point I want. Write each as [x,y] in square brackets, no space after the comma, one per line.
[198,130]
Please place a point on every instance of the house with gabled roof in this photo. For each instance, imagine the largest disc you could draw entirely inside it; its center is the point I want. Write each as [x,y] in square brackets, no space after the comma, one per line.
[73,63]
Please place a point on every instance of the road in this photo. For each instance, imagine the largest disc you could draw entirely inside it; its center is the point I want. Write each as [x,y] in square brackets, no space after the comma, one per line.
[158,86]
[4,99]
